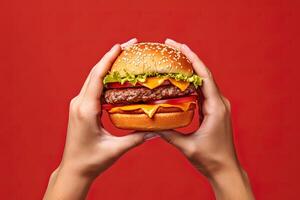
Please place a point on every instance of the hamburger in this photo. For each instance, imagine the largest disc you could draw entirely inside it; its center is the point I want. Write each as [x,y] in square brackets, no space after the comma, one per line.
[150,87]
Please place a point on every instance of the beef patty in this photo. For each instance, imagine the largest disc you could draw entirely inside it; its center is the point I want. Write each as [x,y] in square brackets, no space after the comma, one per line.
[143,94]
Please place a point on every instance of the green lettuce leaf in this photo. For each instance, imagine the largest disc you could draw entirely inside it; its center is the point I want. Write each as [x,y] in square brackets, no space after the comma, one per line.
[133,79]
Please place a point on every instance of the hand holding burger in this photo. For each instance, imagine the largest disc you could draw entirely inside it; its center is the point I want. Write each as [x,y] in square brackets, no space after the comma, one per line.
[210,148]
[89,148]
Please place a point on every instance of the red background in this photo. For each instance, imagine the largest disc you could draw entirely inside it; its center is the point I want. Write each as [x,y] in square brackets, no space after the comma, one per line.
[48,48]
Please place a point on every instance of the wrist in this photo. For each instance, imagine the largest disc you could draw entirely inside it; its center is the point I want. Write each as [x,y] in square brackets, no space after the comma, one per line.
[225,172]
[231,183]
[214,165]
[222,168]
[65,170]
[68,184]
[65,184]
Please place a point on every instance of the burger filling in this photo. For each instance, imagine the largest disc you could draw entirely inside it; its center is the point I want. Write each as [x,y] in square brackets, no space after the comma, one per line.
[143,94]
[149,93]
[142,78]
[151,109]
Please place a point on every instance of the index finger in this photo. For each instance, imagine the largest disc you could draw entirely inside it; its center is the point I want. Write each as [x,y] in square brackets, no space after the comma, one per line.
[94,86]
[209,88]
[124,45]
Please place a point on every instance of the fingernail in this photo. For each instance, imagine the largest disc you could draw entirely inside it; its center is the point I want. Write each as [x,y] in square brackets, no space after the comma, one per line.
[149,136]
[114,47]
[132,39]
[128,43]
[170,40]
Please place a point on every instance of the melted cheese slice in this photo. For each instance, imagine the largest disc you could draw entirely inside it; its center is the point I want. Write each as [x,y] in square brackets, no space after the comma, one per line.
[150,109]
[153,82]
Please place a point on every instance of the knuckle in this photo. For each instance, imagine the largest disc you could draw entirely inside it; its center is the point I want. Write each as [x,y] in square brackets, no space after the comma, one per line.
[78,110]
[227,104]
[82,112]
[218,106]
[191,151]
[73,104]
[222,110]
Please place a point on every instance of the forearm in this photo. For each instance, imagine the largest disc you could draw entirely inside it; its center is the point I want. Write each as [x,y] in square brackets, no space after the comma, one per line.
[65,185]
[231,184]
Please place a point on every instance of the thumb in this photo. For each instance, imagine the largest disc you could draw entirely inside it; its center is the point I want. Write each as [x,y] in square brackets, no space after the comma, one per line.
[174,138]
[134,139]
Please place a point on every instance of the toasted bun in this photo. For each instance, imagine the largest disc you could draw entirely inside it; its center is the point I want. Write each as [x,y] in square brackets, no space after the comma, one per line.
[160,121]
[149,57]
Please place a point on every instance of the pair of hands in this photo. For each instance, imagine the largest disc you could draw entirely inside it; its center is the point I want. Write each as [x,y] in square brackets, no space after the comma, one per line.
[90,149]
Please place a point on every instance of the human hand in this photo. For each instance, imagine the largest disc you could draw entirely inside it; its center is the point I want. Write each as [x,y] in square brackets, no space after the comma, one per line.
[210,148]
[89,148]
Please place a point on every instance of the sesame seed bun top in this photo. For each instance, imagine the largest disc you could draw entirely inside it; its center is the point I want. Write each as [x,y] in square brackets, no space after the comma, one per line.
[151,57]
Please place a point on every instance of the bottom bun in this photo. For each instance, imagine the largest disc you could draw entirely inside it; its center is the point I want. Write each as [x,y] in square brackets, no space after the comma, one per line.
[160,121]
